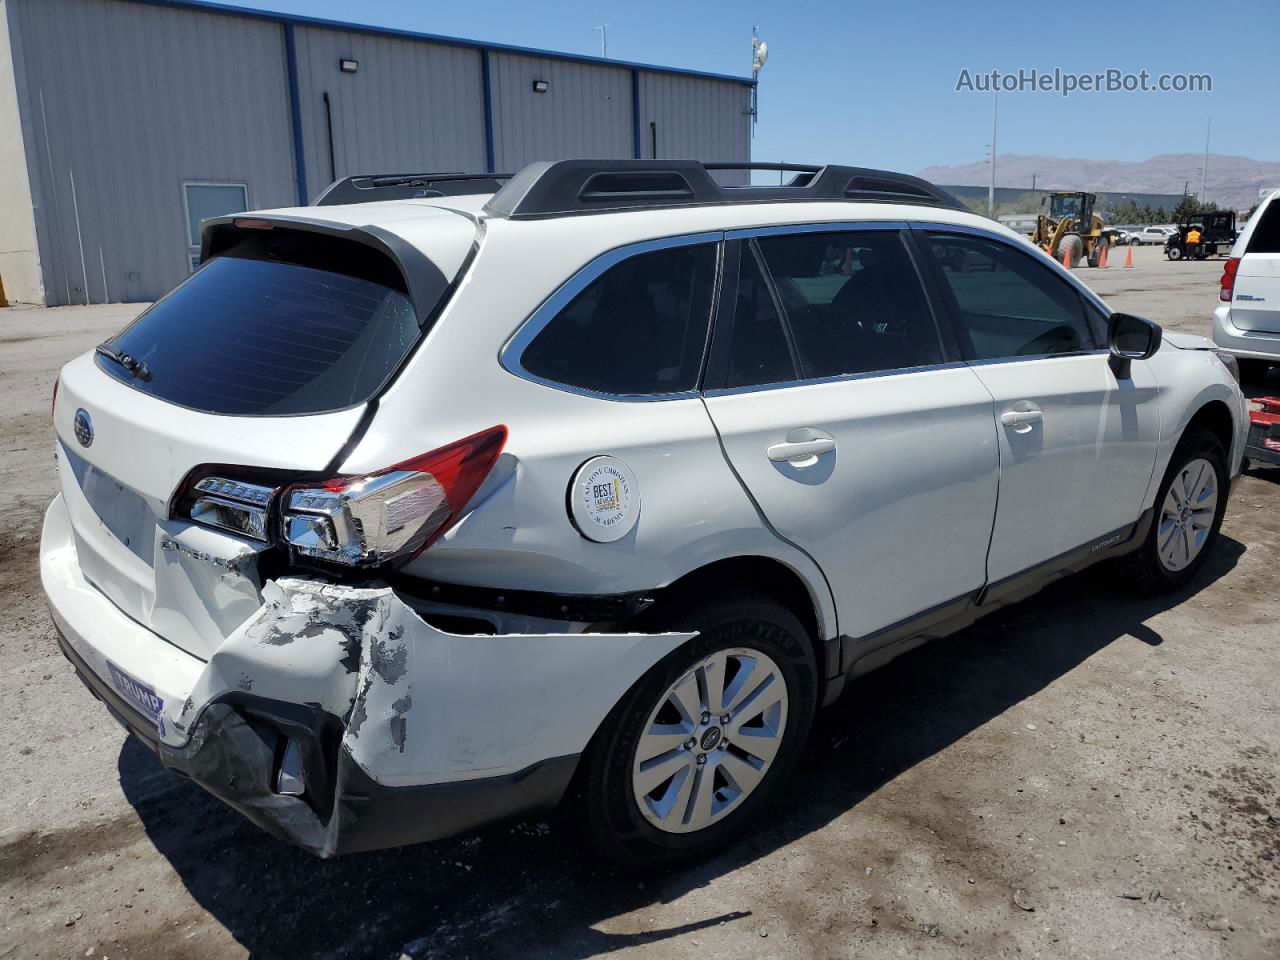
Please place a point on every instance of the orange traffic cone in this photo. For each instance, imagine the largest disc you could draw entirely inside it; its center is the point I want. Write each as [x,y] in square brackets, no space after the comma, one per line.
[1128,257]
[1102,257]
[1066,257]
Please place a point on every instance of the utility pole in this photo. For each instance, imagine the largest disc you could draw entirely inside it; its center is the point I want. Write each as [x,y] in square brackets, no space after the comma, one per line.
[1204,171]
[759,54]
[604,39]
[1033,183]
[991,190]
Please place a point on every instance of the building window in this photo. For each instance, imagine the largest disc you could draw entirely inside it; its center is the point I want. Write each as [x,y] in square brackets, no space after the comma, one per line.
[205,200]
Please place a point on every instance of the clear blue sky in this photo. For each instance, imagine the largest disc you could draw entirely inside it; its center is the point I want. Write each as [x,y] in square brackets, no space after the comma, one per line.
[873,83]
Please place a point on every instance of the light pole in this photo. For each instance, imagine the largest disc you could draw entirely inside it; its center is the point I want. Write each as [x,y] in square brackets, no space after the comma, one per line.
[604,39]
[991,189]
[1204,171]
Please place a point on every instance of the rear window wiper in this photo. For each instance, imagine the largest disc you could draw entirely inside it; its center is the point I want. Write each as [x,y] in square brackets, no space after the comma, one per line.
[135,366]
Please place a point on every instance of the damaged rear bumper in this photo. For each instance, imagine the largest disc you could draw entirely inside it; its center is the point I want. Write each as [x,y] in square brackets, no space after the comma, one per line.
[233,753]
[406,732]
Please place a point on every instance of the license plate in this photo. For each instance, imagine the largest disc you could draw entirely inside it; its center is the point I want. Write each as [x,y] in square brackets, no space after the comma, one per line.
[139,694]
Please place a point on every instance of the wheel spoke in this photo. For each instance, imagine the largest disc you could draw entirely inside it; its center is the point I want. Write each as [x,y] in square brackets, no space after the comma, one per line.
[699,813]
[653,773]
[671,807]
[760,742]
[770,690]
[750,672]
[685,697]
[662,738]
[743,775]
[712,685]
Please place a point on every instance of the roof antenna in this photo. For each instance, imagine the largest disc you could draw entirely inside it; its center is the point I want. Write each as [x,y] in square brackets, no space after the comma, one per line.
[759,54]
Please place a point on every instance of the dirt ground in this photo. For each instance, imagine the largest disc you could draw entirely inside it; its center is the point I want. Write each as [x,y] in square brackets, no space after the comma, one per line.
[1088,774]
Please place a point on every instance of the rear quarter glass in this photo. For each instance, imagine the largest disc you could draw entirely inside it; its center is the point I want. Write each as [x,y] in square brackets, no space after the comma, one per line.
[1266,233]
[266,338]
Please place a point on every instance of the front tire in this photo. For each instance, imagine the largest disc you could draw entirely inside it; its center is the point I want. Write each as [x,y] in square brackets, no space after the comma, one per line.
[1188,514]
[703,741]
[1073,250]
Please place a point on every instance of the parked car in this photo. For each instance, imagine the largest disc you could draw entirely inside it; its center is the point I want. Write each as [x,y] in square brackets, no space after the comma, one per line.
[400,517]
[1126,236]
[1160,235]
[1247,321]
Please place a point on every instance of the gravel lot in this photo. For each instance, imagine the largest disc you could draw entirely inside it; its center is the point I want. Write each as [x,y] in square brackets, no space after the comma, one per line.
[1084,775]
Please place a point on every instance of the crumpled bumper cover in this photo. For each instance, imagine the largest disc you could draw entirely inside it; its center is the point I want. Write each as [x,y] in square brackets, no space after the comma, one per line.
[407,733]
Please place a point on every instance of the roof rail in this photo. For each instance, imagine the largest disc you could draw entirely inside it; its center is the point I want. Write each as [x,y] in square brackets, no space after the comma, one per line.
[367,187]
[562,187]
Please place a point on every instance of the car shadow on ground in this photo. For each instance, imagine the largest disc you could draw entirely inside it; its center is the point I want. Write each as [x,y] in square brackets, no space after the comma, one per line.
[532,889]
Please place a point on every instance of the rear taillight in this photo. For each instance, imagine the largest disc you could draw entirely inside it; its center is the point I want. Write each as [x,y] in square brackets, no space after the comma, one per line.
[1228,283]
[392,515]
[380,518]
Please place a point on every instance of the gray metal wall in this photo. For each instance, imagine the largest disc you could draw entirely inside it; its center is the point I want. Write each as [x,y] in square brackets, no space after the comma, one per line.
[130,100]
[694,118]
[586,111]
[412,107]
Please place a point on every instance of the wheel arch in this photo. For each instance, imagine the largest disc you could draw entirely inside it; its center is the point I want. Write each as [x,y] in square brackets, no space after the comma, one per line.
[1214,416]
[772,577]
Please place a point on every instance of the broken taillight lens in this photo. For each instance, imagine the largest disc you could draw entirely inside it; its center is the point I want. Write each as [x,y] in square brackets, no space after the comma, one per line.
[391,515]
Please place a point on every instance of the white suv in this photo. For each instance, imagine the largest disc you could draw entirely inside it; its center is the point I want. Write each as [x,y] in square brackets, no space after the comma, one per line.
[1247,322]
[410,509]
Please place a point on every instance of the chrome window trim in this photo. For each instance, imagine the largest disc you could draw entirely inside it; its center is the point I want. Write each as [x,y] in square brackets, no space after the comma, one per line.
[1026,248]
[511,354]
[839,378]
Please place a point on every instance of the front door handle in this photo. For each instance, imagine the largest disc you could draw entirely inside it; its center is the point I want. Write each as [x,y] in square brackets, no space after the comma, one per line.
[795,451]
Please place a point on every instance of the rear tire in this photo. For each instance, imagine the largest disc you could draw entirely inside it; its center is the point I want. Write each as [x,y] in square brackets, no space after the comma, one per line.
[1188,511]
[666,826]
[1098,247]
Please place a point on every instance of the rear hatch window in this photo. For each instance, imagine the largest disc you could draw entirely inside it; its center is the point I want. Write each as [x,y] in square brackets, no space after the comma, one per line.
[278,327]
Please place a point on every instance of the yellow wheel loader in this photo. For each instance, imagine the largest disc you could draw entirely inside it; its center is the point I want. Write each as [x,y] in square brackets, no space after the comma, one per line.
[1070,231]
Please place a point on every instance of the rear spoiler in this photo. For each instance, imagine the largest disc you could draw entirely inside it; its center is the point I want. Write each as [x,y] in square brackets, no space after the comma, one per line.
[425,284]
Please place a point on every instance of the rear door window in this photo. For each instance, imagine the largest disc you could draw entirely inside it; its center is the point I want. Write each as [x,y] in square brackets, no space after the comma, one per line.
[263,337]
[853,302]
[758,350]
[640,328]
[1009,305]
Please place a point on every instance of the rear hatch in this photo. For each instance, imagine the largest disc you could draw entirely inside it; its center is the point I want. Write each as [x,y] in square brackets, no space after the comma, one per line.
[259,367]
[1255,302]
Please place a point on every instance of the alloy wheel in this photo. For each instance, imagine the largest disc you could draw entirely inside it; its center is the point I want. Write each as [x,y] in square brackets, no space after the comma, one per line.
[1187,515]
[710,740]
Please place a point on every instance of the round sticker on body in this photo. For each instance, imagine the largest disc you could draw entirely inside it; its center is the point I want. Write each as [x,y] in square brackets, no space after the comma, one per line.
[604,499]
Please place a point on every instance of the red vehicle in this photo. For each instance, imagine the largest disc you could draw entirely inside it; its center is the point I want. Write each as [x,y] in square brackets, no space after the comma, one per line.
[1263,444]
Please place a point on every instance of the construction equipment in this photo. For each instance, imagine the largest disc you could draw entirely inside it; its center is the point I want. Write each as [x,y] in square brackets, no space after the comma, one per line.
[1217,234]
[1070,231]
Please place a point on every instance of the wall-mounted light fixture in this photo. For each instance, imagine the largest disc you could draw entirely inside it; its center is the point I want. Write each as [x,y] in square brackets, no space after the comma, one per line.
[348,66]
[541,86]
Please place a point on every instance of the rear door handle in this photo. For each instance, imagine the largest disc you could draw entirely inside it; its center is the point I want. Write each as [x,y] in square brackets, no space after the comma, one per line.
[1016,418]
[793,451]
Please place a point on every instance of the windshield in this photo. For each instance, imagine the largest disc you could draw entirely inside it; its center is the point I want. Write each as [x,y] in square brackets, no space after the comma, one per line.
[1065,206]
[260,337]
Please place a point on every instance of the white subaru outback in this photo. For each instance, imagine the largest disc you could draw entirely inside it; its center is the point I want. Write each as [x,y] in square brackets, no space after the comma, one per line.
[451,496]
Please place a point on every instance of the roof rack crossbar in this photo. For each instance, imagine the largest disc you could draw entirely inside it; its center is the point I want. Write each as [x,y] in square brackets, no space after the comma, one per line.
[564,187]
[368,187]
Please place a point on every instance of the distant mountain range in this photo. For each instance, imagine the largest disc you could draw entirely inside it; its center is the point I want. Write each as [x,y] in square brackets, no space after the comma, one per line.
[1232,181]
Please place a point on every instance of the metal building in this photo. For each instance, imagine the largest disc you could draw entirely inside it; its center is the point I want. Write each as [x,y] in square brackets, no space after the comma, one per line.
[125,122]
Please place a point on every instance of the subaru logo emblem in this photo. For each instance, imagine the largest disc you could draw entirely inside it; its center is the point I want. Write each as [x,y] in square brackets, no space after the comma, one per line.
[84,427]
